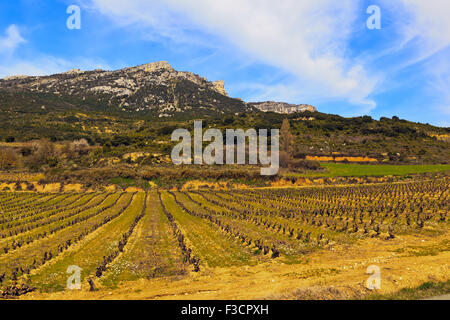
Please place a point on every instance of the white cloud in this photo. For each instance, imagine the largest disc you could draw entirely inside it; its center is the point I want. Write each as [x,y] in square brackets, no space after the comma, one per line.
[11,40]
[36,64]
[308,39]
[10,64]
[427,32]
[423,27]
[430,21]
[439,82]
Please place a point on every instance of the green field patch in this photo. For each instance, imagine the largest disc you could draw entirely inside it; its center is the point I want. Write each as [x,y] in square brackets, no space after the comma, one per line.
[362,170]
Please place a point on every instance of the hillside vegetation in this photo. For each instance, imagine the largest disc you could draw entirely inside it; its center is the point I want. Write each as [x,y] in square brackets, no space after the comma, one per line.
[116,122]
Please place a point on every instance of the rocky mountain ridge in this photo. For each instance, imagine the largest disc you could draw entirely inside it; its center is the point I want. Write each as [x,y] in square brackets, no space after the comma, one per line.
[155,88]
[282,107]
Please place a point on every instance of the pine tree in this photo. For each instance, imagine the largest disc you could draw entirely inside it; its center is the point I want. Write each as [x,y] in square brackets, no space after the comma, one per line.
[286,138]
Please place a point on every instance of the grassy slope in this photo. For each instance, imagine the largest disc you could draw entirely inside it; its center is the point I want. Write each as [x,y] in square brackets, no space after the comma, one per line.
[35,200]
[213,247]
[290,248]
[293,223]
[426,290]
[152,250]
[90,252]
[327,274]
[24,256]
[54,216]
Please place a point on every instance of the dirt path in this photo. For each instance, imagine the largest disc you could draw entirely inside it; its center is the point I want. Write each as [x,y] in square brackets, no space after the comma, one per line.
[406,261]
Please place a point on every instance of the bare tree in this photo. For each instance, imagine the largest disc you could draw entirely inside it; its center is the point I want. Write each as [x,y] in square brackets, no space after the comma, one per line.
[8,158]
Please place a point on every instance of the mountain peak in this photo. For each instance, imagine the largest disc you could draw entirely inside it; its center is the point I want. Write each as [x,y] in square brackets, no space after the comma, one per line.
[219,86]
[155,87]
[73,71]
[154,66]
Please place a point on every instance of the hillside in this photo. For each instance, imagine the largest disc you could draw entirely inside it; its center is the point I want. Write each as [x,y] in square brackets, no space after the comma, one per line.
[154,89]
[128,116]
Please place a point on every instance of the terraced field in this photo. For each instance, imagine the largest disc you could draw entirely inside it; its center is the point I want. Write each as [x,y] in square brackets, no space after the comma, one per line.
[115,238]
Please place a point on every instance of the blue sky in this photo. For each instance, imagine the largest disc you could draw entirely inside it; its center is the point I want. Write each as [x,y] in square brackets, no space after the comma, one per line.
[299,51]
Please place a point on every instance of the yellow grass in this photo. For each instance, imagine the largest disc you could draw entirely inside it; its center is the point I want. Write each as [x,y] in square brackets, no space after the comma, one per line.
[340,271]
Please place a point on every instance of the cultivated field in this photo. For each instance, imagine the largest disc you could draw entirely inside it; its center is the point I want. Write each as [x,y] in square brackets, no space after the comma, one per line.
[380,170]
[209,244]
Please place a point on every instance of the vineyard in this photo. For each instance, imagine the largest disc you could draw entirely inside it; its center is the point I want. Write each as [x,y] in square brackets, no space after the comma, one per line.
[122,237]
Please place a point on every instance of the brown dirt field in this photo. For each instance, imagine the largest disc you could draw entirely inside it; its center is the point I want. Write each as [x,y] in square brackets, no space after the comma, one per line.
[336,273]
